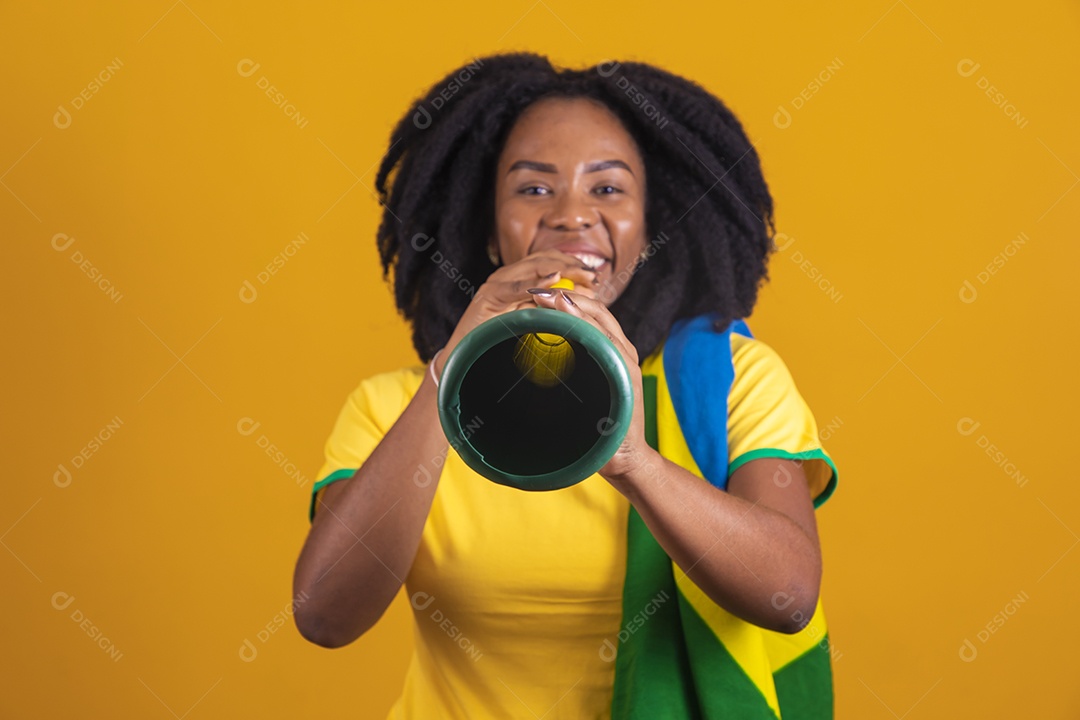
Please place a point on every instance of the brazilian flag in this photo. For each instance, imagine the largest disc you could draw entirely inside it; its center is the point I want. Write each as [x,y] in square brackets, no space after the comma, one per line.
[680,655]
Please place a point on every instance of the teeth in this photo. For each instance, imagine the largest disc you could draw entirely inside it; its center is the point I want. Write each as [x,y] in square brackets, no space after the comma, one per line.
[593,261]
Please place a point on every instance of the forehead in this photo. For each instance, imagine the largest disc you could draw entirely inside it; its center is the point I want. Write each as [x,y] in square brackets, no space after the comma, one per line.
[568,127]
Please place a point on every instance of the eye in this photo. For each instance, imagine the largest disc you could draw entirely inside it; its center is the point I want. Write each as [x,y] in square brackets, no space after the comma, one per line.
[525,191]
[612,188]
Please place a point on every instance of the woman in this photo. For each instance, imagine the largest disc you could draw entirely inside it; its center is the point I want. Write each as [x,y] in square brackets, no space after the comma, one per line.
[643,591]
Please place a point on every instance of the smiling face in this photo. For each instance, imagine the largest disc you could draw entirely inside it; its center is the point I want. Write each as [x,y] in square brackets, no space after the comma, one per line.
[570,177]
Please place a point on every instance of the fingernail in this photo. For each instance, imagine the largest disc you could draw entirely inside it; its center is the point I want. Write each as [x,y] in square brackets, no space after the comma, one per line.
[567,298]
[548,277]
[542,292]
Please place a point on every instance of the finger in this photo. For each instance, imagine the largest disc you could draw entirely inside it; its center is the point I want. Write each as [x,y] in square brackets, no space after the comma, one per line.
[600,316]
[591,311]
[556,299]
[543,263]
[515,288]
[547,274]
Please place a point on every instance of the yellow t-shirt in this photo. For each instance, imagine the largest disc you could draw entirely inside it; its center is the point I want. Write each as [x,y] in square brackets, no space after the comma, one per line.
[514,593]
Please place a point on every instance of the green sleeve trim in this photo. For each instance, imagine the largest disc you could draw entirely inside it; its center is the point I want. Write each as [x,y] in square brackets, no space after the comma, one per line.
[337,475]
[815,454]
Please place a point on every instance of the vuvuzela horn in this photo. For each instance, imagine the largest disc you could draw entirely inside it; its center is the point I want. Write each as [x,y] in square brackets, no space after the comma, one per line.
[535,399]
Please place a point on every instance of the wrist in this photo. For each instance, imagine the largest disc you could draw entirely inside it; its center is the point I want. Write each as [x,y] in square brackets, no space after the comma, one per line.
[434,369]
[638,469]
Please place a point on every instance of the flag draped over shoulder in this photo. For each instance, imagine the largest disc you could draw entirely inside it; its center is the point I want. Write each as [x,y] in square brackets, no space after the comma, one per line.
[679,654]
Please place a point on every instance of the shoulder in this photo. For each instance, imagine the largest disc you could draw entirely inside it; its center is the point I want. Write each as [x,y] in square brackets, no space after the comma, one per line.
[384,396]
[754,358]
[768,416]
[406,379]
[761,377]
[763,389]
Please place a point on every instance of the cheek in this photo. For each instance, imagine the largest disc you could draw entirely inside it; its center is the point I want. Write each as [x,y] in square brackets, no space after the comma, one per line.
[515,228]
[515,225]
[629,235]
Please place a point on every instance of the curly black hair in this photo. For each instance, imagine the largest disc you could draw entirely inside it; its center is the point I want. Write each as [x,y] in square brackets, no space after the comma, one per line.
[708,210]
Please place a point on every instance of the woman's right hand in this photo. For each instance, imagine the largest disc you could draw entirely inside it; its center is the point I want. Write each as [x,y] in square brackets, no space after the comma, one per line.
[507,288]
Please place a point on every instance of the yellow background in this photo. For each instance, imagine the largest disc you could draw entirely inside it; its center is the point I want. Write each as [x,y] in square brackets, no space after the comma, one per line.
[179,180]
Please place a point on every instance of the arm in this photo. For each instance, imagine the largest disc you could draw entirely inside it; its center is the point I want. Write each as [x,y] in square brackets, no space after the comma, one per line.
[367,529]
[753,550]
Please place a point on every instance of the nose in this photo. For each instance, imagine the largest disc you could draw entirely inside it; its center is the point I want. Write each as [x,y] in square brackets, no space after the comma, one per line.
[570,212]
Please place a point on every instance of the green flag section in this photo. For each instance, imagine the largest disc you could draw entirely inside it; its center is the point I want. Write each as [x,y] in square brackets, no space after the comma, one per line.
[804,685]
[653,680]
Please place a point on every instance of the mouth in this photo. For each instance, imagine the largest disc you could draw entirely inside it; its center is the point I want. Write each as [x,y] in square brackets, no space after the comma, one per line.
[590,260]
[588,252]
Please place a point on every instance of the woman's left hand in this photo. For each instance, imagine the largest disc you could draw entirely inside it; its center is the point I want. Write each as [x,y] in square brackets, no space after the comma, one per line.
[634,452]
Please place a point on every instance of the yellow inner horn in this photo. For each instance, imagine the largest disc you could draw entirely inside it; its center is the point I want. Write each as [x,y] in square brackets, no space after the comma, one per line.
[545,359]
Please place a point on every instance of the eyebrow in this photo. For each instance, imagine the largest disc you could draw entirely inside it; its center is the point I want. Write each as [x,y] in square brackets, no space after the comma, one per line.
[549,168]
